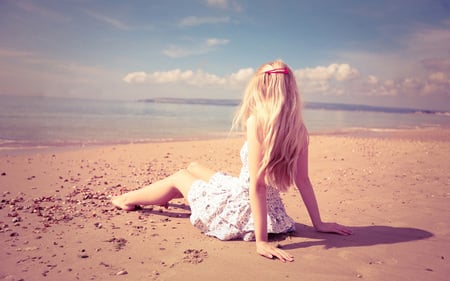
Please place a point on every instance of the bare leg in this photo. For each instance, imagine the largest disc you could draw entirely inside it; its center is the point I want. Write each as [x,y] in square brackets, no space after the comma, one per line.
[200,171]
[157,193]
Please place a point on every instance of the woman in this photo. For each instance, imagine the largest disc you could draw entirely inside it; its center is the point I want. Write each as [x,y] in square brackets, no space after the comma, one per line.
[274,157]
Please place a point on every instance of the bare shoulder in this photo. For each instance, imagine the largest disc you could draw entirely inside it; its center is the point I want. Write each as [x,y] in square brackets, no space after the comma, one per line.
[251,122]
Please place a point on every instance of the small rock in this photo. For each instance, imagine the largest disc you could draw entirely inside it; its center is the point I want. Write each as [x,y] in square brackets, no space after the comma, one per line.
[16,219]
[122,272]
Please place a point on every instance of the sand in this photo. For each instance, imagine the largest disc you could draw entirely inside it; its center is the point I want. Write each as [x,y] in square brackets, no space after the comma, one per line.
[392,189]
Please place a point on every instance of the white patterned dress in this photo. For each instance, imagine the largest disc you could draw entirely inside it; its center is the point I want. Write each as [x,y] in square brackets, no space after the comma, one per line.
[221,207]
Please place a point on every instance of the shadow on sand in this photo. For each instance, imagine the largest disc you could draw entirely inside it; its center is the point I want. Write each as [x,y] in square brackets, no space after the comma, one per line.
[176,211]
[362,236]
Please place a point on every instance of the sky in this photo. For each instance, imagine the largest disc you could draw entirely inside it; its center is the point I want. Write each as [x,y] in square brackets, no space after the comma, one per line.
[392,53]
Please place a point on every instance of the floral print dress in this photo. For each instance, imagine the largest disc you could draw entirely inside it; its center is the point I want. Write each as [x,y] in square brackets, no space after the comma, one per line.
[221,206]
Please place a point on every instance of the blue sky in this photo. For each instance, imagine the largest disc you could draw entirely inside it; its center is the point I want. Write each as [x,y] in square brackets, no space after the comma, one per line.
[392,53]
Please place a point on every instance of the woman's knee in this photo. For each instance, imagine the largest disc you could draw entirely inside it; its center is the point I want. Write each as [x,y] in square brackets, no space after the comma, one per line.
[182,180]
[200,171]
[192,166]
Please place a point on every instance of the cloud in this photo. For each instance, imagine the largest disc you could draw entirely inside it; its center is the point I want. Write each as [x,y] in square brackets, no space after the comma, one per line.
[41,11]
[206,46]
[436,84]
[332,80]
[225,4]
[194,21]
[428,40]
[108,20]
[439,64]
[30,73]
[177,52]
[218,3]
[372,80]
[242,76]
[338,72]
[8,53]
[44,64]
[211,42]
[314,80]
[439,77]
[198,78]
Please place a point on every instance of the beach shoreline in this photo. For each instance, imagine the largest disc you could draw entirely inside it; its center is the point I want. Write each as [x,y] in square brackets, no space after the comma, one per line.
[422,133]
[56,221]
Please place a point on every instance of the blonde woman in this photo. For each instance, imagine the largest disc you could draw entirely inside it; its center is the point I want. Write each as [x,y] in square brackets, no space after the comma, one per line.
[274,158]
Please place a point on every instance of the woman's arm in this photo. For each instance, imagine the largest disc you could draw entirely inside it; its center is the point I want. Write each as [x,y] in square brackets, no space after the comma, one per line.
[258,199]
[304,185]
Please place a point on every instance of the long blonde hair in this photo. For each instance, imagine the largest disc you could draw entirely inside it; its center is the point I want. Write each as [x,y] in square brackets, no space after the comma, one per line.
[273,98]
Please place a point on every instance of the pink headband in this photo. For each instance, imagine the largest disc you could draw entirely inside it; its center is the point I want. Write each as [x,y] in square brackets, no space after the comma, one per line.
[283,70]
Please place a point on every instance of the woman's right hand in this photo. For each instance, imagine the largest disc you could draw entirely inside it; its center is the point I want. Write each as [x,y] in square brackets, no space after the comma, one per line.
[332,227]
[267,250]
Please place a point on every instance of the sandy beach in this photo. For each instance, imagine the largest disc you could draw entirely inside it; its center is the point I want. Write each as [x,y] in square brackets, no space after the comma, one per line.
[392,189]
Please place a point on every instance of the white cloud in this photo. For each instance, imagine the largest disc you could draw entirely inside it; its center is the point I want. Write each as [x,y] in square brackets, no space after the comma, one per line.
[45,64]
[373,80]
[225,4]
[339,72]
[218,3]
[410,83]
[436,84]
[344,72]
[439,77]
[326,80]
[108,20]
[211,42]
[135,77]
[242,76]
[440,64]
[321,79]
[41,11]
[198,78]
[177,52]
[419,67]
[195,78]
[194,21]
[331,80]
[427,40]
[14,53]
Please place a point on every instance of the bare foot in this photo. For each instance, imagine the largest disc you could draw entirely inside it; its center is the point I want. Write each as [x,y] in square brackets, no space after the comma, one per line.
[119,202]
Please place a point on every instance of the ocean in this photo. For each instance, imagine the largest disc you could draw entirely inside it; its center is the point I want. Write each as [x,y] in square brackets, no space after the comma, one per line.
[42,122]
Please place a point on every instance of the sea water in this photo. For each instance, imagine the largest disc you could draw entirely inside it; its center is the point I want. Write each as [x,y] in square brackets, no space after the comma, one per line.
[46,122]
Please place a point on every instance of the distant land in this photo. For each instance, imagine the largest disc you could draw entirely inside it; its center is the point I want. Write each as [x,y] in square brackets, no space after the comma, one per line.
[307,105]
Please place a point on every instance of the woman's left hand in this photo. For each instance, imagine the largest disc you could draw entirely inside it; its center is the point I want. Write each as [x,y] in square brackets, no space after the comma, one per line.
[332,227]
[267,250]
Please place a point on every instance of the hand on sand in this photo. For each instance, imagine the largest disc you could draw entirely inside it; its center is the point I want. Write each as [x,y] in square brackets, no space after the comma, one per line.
[267,250]
[332,227]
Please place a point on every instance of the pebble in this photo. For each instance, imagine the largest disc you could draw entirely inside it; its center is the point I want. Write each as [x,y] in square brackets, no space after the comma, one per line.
[16,219]
[122,272]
